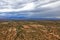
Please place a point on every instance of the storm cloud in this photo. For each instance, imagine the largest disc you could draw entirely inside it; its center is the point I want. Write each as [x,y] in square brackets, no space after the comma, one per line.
[30,8]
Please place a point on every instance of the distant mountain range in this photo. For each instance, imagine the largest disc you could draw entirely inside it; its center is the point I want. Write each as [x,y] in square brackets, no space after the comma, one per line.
[24,18]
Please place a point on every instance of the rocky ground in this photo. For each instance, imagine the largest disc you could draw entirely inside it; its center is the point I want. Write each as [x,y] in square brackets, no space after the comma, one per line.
[30,30]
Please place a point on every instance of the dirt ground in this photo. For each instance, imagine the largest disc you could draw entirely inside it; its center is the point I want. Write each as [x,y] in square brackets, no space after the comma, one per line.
[30,30]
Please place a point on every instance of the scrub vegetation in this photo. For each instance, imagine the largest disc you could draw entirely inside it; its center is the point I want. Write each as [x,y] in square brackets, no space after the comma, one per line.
[30,30]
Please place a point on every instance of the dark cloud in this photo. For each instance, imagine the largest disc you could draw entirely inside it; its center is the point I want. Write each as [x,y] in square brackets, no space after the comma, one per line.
[37,9]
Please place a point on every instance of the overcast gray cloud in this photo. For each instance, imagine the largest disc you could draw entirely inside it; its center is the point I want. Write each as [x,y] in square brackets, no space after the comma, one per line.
[30,8]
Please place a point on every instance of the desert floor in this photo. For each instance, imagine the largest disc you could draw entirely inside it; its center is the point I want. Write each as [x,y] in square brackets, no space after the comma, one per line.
[30,30]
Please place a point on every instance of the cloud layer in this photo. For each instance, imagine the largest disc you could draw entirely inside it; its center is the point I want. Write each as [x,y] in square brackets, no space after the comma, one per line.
[30,8]
[24,5]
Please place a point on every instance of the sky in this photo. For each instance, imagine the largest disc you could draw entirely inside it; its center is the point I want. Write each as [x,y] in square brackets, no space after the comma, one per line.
[29,9]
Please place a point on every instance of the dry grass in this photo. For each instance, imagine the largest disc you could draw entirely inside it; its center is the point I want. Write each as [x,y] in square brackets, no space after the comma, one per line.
[30,30]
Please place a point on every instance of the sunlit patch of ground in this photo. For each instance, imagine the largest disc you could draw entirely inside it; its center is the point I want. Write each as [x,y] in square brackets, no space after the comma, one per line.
[30,30]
